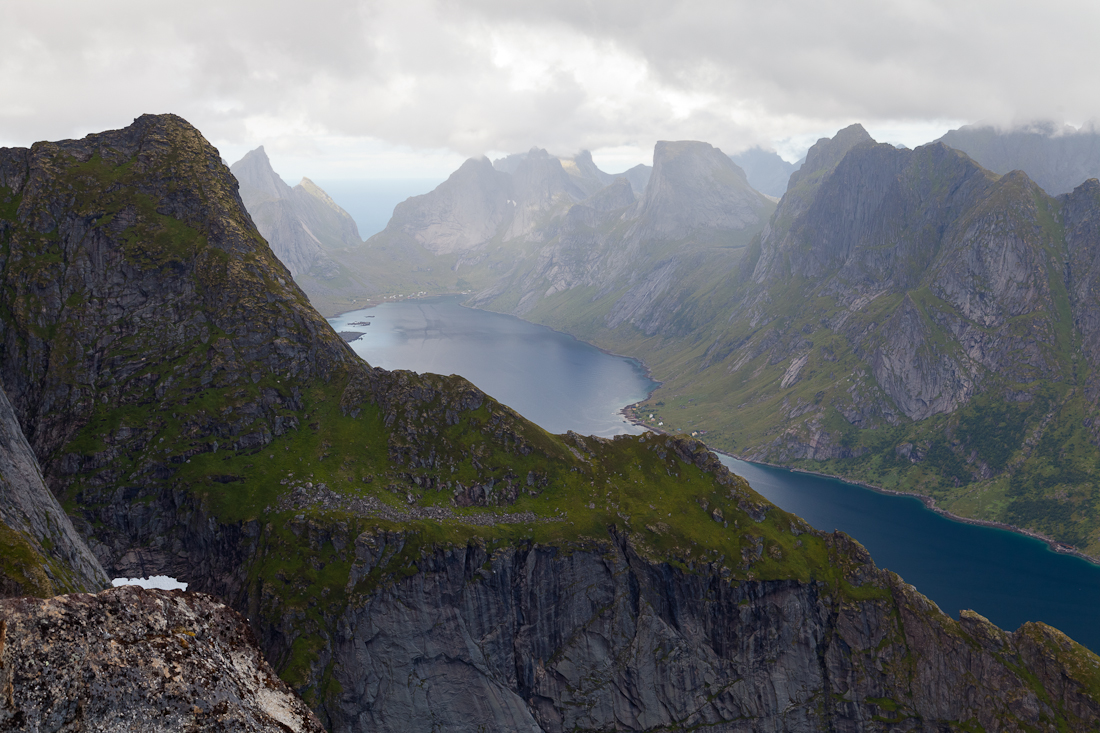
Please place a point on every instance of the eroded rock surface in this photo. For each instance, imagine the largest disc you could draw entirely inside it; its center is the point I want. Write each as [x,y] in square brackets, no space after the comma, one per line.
[130,659]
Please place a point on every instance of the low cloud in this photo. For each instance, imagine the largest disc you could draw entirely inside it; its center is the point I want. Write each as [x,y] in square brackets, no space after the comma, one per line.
[495,75]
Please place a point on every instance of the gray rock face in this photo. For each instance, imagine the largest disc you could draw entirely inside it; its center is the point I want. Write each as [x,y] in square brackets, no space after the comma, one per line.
[1057,157]
[302,224]
[462,213]
[28,508]
[523,197]
[131,659]
[696,213]
[886,221]
[539,639]
[695,187]
[540,185]
[638,176]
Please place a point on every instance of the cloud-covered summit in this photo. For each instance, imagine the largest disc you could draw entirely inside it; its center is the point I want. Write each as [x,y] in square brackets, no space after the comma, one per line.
[492,76]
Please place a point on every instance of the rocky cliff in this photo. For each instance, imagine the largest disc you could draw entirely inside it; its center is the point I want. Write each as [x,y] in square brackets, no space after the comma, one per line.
[42,553]
[1058,157]
[130,659]
[912,319]
[396,540]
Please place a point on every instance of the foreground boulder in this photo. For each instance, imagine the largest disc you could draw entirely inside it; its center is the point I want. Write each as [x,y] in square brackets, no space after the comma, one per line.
[130,659]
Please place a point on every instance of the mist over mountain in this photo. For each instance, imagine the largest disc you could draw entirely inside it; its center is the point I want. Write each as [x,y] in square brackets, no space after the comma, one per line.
[1056,156]
[765,170]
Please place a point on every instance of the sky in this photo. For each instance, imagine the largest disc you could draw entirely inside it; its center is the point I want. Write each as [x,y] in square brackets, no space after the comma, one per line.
[346,89]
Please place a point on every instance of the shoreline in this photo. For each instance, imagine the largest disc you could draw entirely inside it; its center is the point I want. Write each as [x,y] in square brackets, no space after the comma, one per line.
[929,502]
[628,414]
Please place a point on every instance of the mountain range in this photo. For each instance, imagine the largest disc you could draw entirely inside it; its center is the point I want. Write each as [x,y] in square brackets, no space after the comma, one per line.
[908,318]
[1058,157]
[408,553]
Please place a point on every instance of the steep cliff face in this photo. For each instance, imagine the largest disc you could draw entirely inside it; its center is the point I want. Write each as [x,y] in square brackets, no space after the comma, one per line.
[42,553]
[131,659]
[695,188]
[607,264]
[539,639]
[1057,157]
[398,540]
[907,318]
[134,287]
[465,211]
[302,224]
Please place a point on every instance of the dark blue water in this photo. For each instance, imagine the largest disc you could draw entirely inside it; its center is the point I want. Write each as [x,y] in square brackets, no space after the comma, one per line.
[563,384]
[371,202]
[1006,577]
[553,379]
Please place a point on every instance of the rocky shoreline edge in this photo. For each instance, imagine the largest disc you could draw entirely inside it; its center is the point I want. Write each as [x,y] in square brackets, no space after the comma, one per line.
[928,501]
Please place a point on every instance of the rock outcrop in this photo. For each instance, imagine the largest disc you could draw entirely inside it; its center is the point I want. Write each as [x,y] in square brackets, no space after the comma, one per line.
[131,659]
[465,211]
[535,638]
[695,190]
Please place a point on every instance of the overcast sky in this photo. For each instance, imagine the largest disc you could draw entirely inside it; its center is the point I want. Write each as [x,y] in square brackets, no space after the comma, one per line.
[343,89]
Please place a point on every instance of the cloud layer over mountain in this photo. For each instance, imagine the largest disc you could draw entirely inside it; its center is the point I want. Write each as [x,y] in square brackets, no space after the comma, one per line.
[492,75]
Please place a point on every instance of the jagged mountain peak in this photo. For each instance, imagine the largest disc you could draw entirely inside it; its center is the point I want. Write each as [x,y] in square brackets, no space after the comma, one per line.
[858,216]
[824,155]
[259,181]
[299,223]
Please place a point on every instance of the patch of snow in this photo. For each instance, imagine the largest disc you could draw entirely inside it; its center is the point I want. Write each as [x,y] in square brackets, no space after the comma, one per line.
[162,582]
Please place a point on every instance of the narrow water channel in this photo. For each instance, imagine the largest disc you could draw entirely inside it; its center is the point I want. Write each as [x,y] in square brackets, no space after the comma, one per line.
[564,384]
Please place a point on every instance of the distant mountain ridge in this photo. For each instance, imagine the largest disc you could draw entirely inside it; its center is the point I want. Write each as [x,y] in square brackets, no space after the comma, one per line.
[895,302]
[1057,157]
[302,224]
[765,170]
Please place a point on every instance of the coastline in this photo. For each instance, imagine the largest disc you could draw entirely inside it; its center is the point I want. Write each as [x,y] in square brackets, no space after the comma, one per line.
[628,413]
[930,504]
[928,501]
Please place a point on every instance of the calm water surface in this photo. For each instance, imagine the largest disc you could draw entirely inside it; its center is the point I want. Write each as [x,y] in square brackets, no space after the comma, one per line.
[1006,577]
[563,384]
[548,377]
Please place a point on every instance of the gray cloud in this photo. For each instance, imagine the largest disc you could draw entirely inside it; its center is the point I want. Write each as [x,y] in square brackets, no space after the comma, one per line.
[496,75]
